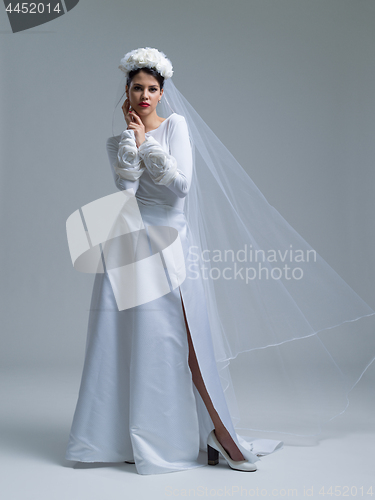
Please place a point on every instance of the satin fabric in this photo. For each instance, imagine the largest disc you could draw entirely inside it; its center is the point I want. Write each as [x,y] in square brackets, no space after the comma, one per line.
[136,397]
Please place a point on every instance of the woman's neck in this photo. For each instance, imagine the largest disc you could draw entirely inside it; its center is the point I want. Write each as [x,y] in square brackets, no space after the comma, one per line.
[151,122]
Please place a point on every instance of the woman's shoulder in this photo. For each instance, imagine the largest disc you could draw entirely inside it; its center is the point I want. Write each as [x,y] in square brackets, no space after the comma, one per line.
[113,140]
[176,121]
[175,118]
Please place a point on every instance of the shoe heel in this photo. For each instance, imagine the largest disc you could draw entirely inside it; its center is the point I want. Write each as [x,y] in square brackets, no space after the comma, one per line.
[213,455]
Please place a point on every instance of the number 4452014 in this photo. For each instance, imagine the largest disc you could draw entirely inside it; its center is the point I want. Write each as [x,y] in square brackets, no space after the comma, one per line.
[33,8]
[346,491]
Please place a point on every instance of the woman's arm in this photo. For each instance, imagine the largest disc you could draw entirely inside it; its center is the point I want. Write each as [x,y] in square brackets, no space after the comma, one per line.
[173,170]
[125,161]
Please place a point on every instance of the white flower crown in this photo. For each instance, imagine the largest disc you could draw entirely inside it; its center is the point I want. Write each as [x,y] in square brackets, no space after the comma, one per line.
[147,57]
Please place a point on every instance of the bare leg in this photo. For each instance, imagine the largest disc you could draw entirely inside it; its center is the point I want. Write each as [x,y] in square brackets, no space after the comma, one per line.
[221,432]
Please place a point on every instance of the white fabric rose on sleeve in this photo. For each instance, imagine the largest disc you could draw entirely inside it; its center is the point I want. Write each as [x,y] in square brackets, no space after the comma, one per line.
[129,165]
[161,166]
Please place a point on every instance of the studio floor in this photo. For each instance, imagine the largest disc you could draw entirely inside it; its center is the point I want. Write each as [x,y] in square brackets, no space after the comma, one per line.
[37,410]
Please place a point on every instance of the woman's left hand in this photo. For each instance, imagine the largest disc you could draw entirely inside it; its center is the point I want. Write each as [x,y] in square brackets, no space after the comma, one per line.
[139,129]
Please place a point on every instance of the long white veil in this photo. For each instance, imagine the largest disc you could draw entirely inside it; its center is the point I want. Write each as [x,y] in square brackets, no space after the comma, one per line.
[287,344]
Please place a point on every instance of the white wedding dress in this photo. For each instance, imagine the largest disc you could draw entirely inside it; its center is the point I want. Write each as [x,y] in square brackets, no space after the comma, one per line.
[136,398]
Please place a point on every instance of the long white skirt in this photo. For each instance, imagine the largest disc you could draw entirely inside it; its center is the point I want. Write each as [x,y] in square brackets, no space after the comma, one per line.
[136,397]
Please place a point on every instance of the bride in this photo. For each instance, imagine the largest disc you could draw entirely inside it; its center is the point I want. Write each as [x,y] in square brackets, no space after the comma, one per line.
[144,91]
[155,387]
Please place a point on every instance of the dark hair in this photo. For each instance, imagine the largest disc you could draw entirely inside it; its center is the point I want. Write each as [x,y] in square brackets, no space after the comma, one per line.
[150,71]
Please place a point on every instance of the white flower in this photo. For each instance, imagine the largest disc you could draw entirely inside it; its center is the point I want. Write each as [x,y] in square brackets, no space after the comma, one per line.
[128,164]
[127,152]
[147,57]
[157,163]
[127,157]
[161,166]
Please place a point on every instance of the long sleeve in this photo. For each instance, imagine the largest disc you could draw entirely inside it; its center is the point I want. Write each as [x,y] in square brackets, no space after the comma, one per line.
[124,161]
[173,170]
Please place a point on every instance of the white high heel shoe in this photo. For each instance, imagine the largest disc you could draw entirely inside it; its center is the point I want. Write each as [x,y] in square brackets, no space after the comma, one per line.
[213,448]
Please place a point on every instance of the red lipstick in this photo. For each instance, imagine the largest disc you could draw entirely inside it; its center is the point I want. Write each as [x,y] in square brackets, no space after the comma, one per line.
[144,104]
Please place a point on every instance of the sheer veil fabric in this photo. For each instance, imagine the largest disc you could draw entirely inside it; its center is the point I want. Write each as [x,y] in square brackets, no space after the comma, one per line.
[287,340]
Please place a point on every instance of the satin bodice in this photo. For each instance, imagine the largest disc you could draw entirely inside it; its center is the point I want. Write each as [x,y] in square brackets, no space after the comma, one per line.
[173,137]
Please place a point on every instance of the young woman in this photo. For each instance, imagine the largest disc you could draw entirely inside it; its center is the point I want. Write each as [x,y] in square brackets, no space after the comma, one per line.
[152,385]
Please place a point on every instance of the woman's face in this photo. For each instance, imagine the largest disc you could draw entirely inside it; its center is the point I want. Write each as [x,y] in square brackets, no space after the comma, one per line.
[144,88]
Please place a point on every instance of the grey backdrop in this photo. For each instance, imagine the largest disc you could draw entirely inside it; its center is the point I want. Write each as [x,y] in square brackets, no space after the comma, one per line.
[287,85]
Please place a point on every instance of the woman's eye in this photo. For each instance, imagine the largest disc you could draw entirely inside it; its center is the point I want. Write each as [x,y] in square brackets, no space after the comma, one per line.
[136,87]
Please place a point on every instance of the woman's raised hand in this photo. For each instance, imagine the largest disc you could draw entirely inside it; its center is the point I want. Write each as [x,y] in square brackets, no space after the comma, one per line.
[134,123]
[126,109]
